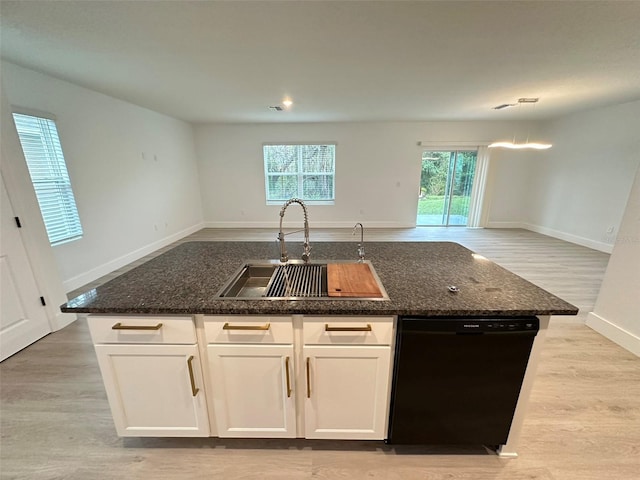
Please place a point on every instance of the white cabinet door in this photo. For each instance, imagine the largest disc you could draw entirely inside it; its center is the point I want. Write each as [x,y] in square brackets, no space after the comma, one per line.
[252,387]
[347,391]
[154,390]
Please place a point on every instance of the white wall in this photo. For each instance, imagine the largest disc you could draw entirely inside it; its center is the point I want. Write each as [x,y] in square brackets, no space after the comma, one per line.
[508,188]
[128,205]
[377,171]
[580,186]
[617,311]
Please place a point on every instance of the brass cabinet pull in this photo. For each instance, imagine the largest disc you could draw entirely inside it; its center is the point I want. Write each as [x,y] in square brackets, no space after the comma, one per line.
[119,326]
[286,366]
[266,326]
[308,378]
[327,328]
[194,390]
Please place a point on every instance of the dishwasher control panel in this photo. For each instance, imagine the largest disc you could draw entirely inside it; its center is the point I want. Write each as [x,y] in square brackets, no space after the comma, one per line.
[502,325]
[472,325]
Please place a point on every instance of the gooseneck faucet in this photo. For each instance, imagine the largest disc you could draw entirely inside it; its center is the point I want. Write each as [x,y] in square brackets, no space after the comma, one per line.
[361,244]
[306,254]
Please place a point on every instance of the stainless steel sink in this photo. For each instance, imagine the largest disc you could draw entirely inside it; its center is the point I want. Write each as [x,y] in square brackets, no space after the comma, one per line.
[250,282]
[294,280]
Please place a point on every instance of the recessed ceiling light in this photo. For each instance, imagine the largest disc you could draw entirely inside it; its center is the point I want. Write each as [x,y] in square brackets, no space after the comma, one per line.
[287,102]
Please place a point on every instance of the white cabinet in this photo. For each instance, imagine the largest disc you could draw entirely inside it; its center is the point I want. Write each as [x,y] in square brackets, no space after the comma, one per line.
[252,389]
[347,377]
[347,393]
[251,376]
[260,376]
[342,365]
[152,375]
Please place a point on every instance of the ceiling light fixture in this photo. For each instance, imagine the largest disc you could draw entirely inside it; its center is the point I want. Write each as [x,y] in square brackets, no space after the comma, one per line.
[287,102]
[527,144]
[504,105]
[520,146]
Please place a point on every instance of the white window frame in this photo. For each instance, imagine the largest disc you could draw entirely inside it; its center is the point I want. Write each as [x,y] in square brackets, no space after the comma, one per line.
[53,188]
[299,174]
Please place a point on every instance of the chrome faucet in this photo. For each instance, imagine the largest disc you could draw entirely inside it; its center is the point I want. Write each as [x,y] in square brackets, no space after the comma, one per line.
[361,244]
[284,258]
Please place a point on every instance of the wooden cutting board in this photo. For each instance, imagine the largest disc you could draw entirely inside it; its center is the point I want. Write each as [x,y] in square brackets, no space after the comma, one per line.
[351,280]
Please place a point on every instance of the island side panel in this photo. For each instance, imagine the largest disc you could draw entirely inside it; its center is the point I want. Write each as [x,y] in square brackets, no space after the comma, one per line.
[508,450]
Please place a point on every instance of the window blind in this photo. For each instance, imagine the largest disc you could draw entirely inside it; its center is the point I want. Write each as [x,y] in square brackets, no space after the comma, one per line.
[48,171]
[306,171]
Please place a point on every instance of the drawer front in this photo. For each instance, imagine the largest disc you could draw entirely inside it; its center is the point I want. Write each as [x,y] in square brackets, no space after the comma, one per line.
[142,329]
[248,329]
[345,330]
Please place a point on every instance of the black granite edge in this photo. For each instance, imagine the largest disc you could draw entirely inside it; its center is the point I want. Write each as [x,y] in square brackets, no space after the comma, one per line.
[312,311]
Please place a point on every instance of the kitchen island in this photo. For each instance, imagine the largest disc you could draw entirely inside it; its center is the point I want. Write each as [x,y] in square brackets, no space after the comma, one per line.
[179,361]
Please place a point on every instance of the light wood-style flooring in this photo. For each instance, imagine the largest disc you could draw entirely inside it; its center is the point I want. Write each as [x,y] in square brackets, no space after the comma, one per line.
[583,421]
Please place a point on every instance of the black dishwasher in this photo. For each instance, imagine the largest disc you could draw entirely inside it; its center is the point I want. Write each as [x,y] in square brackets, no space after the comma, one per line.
[457,380]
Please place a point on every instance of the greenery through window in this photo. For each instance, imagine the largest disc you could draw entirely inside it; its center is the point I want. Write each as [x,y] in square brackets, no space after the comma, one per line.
[48,171]
[446,182]
[303,171]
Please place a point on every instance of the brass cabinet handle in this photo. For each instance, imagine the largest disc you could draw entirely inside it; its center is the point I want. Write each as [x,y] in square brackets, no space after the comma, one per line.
[327,328]
[308,378]
[266,326]
[194,390]
[286,366]
[119,326]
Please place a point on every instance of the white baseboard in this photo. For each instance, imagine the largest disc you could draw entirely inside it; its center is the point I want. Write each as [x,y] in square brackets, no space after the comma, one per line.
[106,268]
[568,237]
[625,339]
[316,224]
[504,225]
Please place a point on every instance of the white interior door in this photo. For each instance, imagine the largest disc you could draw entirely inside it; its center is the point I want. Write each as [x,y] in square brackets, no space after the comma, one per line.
[23,319]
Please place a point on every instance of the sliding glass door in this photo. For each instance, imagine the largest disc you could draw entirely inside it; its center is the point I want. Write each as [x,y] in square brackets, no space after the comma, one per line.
[445,187]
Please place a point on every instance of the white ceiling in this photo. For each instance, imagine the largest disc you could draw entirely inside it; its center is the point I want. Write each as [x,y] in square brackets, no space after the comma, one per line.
[214,61]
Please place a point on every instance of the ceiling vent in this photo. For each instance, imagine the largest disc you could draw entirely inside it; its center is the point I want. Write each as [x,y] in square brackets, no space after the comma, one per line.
[276,108]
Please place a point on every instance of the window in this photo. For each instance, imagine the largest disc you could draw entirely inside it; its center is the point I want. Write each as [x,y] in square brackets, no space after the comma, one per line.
[445,187]
[43,153]
[303,171]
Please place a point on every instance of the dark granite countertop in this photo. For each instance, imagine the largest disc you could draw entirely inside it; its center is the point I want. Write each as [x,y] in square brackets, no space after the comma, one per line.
[416,275]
